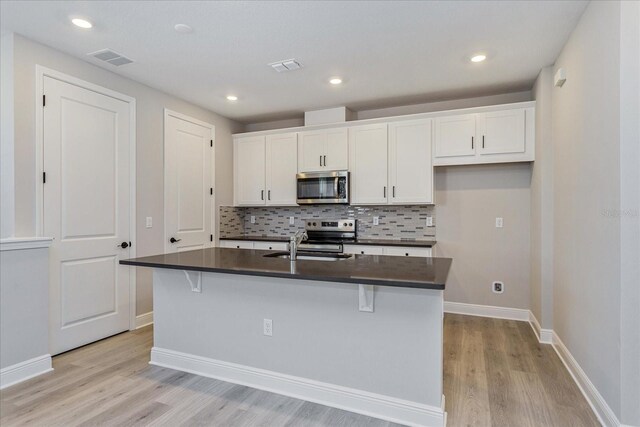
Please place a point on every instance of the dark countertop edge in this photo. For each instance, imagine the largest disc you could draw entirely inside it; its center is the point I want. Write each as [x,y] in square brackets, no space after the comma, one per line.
[368,242]
[358,281]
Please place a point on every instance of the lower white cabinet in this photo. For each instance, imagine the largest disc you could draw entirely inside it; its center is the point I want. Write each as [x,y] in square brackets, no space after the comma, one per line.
[388,250]
[239,244]
[275,246]
[249,244]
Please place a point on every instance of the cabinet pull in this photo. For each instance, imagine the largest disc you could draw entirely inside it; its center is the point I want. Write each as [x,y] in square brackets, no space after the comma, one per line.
[472,143]
[384,192]
[269,194]
[325,160]
[482,141]
[320,160]
[394,191]
[261,194]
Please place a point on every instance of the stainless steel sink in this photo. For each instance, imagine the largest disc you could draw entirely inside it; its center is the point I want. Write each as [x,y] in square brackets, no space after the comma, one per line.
[310,256]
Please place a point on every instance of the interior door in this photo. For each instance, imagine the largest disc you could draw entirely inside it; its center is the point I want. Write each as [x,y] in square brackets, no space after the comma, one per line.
[282,166]
[410,162]
[249,171]
[501,132]
[311,149]
[86,211]
[368,161]
[188,184]
[455,136]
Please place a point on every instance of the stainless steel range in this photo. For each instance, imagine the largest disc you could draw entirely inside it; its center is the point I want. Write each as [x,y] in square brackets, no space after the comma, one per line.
[329,235]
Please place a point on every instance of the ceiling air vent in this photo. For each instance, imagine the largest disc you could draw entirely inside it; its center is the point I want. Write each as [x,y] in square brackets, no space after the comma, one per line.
[286,65]
[113,58]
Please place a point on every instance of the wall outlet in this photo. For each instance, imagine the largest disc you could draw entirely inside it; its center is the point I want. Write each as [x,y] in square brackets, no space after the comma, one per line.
[149,222]
[253,219]
[497,287]
[292,220]
[429,221]
[267,327]
[376,220]
[499,222]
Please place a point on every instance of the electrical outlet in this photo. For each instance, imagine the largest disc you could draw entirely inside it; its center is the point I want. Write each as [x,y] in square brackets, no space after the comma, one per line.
[149,222]
[499,222]
[429,221]
[292,220]
[497,287]
[253,219]
[268,327]
[376,220]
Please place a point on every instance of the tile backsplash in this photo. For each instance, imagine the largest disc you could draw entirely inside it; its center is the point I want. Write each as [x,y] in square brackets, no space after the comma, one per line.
[395,222]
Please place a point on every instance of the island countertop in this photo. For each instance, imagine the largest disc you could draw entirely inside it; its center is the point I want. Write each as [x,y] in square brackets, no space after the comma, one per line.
[407,272]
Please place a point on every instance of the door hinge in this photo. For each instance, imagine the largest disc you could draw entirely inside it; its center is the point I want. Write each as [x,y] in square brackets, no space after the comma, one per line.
[211,237]
[44,177]
[44,100]
[211,191]
[212,142]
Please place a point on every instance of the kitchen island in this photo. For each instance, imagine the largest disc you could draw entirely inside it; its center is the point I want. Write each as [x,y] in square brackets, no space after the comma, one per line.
[362,334]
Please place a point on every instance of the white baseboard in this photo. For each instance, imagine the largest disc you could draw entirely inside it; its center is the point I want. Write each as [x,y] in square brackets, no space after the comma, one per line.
[359,401]
[486,311]
[144,320]
[23,371]
[545,336]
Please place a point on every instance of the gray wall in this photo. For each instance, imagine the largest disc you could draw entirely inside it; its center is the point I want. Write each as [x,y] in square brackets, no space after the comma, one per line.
[595,171]
[468,200]
[542,204]
[24,305]
[150,129]
[7,208]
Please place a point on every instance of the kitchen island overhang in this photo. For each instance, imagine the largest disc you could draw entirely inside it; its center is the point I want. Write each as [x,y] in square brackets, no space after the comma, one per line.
[210,305]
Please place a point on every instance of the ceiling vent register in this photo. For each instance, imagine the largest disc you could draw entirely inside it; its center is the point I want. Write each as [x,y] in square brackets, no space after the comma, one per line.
[286,65]
[113,58]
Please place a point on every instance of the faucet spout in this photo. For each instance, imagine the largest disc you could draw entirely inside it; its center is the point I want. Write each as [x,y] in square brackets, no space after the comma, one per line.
[294,241]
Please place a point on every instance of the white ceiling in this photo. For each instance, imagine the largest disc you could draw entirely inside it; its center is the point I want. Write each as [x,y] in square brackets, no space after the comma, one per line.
[388,52]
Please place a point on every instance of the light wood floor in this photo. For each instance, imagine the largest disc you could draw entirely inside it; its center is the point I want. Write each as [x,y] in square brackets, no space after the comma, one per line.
[496,374]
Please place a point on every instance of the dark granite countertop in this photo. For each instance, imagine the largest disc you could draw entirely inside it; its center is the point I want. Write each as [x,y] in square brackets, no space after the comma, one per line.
[372,242]
[407,272]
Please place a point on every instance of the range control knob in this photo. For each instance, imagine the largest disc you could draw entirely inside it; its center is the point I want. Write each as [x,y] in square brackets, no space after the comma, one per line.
[350,224]
[314,224]
[345,224]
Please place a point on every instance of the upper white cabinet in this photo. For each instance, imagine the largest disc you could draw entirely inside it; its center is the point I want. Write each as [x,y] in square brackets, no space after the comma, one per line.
[321,150]
[498,136]
[410,162]
[265,170]
[368,164]
[391,164]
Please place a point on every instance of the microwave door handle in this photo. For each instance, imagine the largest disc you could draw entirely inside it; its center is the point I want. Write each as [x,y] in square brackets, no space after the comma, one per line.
[335,187]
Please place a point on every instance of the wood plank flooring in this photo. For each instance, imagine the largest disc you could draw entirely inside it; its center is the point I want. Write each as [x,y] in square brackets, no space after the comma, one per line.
[496,374]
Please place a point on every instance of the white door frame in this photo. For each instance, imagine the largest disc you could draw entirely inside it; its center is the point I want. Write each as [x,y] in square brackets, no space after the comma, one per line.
[213,214]
[41,73]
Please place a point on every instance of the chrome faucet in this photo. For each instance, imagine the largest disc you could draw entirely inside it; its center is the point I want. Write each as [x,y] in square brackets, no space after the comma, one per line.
[294,241]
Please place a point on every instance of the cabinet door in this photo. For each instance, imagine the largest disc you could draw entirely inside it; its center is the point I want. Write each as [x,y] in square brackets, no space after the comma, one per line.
[363,249]
[249,171]
[282,166]
[410,162]
[501,132]
[455,136]
[337,150]
[407,251]
[368,164]
[273,246]
[311,151]
[238,244]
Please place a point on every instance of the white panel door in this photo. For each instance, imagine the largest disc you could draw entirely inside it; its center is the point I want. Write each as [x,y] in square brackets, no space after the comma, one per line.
[455,136]
[86,208]
[368,164]
[282,166]
[188,183]
[249,171]
[337,150]
[311,151]
[501,132]
[410,162]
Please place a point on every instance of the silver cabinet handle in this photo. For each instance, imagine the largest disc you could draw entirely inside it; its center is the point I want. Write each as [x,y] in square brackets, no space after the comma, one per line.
[269,194]
[261,194]
[394,191]
[472,143]
[482,141]
[384,192]
[320,160]
[325,160]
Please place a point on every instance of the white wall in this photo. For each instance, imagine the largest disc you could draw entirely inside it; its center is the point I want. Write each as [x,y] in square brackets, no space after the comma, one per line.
[7,197]
[150,110]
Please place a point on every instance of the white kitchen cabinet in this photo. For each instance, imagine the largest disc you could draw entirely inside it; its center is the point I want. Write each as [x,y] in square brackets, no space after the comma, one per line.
[501,132]
[239,244]
[249,169]
[363,249]
[388,250]
[368,164]
[281,169]
[323,150]
[275,246]
[265,170]
[410,162]
[455,136]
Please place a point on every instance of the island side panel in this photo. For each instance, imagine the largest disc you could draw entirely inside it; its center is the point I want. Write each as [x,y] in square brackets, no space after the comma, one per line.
[318,331]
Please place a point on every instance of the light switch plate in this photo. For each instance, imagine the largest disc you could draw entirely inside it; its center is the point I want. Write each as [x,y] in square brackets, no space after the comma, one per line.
[376,220]
[149,222]
[292,220]
[253,219]
[429,221]
[499,222]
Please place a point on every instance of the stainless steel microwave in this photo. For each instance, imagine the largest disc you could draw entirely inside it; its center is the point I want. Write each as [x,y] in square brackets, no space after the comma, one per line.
[323,188]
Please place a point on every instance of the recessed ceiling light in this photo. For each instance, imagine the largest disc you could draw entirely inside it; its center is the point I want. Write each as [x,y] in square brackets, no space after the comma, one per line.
[82,23]
[183,28]
[232,97]
[478,58]
[335,81]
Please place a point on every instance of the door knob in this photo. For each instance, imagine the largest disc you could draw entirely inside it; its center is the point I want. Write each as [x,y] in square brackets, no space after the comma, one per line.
[174,240]
[124,245]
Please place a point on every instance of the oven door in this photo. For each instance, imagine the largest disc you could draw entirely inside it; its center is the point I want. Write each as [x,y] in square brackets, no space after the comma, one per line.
[323,188]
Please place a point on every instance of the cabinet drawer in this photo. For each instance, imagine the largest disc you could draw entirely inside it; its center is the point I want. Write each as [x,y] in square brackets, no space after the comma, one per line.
[275,246]
[239,244]
[407,251]
[363,249]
